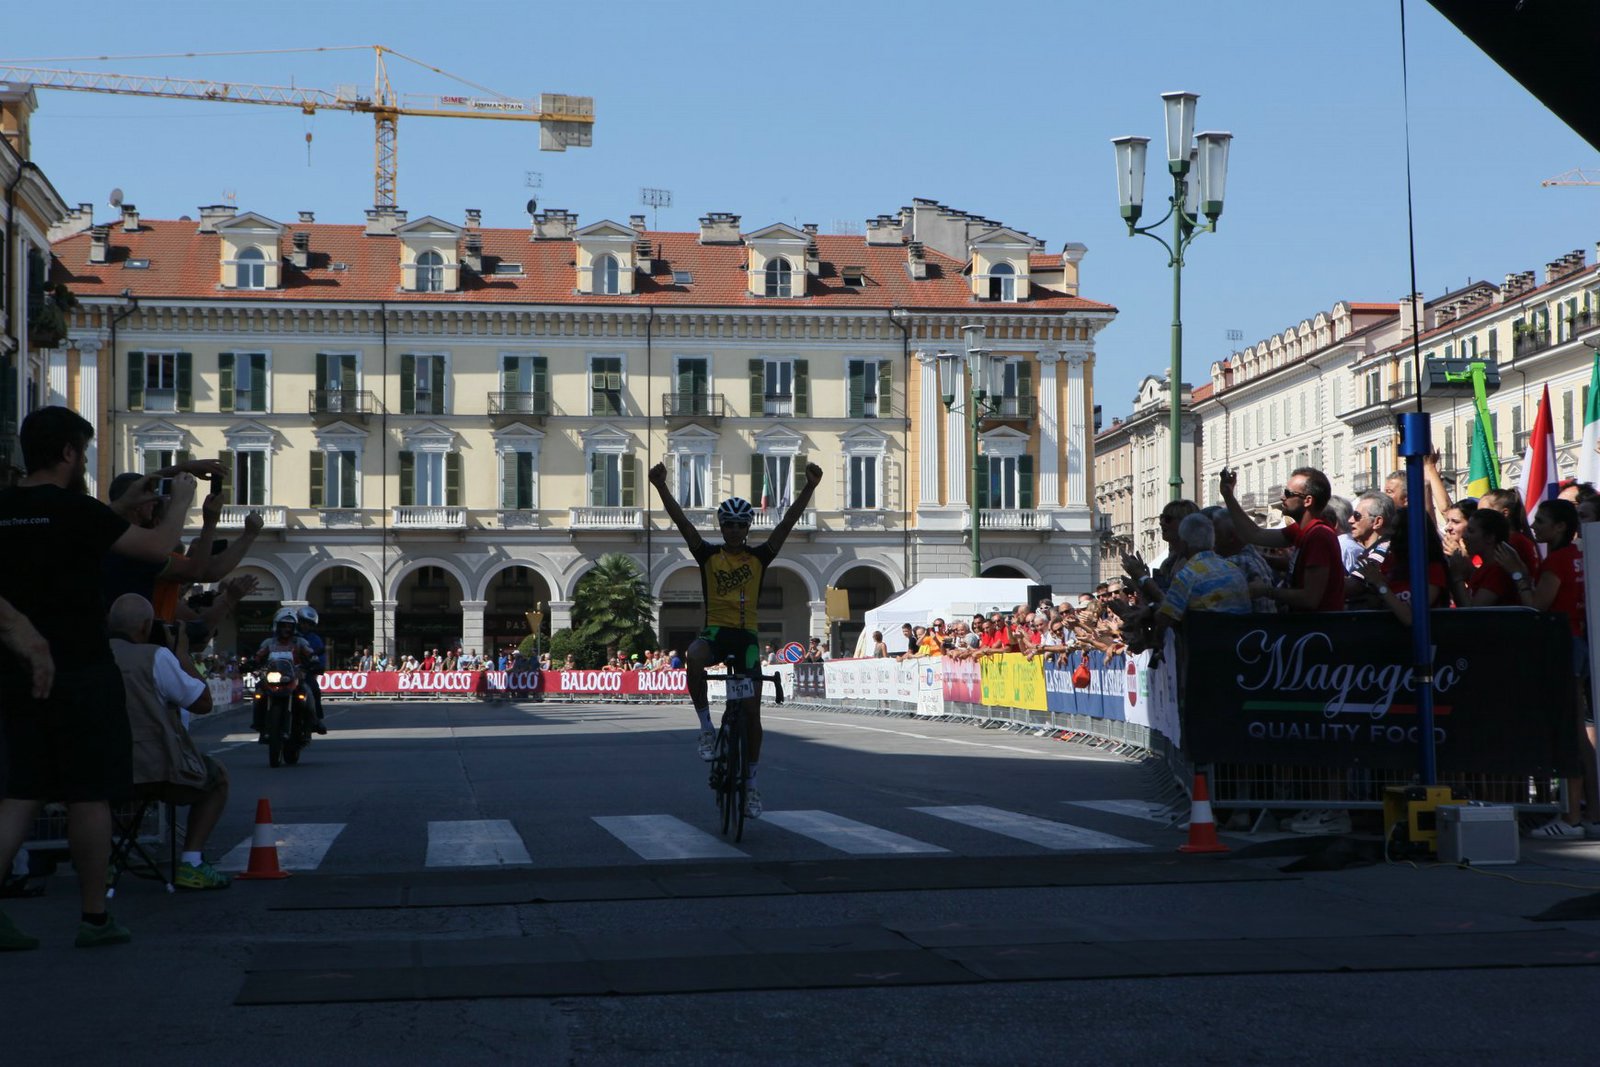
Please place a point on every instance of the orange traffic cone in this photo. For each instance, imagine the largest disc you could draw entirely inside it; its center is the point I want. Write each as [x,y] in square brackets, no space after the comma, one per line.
[264,847]
[1202,827]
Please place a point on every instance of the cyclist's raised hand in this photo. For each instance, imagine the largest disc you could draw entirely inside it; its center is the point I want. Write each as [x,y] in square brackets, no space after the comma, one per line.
[813,475]
[658,476]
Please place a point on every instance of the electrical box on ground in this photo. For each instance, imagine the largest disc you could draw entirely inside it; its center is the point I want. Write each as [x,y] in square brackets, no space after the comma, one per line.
[1410,817]
[1480,834]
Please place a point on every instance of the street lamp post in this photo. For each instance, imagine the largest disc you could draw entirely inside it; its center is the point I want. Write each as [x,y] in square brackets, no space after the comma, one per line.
[983,390]
[1192,196]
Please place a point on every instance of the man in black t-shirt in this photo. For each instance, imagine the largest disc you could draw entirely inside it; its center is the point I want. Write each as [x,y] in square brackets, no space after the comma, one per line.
[69,739]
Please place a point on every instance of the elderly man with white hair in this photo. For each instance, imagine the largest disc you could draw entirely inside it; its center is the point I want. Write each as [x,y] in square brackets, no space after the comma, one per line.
[166,763]
[1205,582]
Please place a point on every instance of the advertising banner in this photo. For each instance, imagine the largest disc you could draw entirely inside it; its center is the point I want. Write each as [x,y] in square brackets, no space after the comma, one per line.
[962,682]
[580,683]
[1011,680]
[930,685]
[810,681]
[337,682]
[1338,690]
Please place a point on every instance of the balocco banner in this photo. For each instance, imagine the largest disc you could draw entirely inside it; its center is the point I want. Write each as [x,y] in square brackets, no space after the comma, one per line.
[596,683]
[621,683]
[1339,690]
[395,682]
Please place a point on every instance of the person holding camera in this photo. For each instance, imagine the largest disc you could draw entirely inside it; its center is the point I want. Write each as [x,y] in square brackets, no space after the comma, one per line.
[68,738]
[160,686]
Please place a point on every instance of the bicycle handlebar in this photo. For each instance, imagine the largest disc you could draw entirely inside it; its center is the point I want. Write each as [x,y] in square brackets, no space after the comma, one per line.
[730,669]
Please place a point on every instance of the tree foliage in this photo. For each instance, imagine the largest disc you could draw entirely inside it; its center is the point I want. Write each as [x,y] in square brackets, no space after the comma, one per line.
[566,642]
[612,608]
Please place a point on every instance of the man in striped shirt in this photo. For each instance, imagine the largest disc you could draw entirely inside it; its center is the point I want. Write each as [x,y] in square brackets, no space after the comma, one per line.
[1205,582]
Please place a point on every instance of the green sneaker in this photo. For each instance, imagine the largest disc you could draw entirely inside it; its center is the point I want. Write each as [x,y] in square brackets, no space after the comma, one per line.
[12,939]
[92,936]
[204,876]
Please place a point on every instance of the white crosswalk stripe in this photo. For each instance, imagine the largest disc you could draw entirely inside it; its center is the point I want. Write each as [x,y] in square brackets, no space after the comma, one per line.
[475,843]
[847,835]
[1045,833]
[665,837]
[1136,809]
[301,846]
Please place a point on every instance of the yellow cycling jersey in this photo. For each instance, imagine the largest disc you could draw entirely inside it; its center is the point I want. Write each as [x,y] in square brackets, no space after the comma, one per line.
[730,582]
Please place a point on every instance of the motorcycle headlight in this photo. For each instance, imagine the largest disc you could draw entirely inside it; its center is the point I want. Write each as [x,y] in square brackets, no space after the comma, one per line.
[273,677]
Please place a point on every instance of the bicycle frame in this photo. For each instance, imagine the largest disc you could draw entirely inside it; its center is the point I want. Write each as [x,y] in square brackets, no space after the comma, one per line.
[729,771]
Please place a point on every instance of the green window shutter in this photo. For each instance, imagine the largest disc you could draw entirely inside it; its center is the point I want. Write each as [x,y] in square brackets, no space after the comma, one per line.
[436,376]
[152,461]
[802,387]
[408,385]
[1024,379]
[322,371]
[135,381]
[225,381]
[1025,482]
[758,471]
[347,479]
[508,480]
[317,498]
[225,457]
[524,498]
[885,387]
[981,490]
[347,373]
[597,480]
[408,478]
[452,479]
[685,379]
[185,381]
[758,387]
[258,382]
[798,473]
[184,456]
[541,384]
[857,371]
[508,374]
[258,478]
[630,479]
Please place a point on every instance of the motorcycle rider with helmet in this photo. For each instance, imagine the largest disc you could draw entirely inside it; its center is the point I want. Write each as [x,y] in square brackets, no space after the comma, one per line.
[308,621]
[284,644]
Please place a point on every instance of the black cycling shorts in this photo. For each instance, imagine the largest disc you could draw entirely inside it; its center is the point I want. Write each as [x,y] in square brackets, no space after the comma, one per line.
[742,645]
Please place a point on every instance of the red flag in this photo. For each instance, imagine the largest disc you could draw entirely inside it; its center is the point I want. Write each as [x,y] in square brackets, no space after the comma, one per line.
[1540,477]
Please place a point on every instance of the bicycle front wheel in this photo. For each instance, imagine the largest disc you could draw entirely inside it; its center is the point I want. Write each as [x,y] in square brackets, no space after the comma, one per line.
[737,786]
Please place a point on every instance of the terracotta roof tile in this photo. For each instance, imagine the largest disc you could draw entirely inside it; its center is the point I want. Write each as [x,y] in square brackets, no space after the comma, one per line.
[184,264]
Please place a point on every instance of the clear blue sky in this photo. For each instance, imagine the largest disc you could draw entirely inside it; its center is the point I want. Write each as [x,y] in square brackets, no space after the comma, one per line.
[848,109]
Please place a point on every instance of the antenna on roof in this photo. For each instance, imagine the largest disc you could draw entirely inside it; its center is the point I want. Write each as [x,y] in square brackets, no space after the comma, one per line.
[655,200]
[532,179]
[1235,336]
[116,197]
[532,206]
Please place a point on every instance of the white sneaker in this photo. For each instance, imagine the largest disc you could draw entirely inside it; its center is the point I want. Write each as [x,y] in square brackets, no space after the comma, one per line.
[1558,828]
[1326,822]
[708,744]
[752,802]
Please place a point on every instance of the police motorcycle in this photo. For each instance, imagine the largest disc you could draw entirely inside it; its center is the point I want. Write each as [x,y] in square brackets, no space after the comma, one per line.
[311,671]
[280,709]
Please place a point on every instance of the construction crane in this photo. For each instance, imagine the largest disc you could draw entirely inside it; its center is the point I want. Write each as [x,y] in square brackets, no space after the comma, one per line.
[1575,176]
[564,121]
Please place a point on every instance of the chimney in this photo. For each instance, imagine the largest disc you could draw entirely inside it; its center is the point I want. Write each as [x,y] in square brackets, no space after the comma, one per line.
[916,262]
[637,222]
[644,263]
[554,224]
[300,255]
[211,214]
[130,219]
[308,217]
[381,221]
[1072,254]
[885,230]
[1409,306]
[474,218]
[809,228]
[1554,269]
[813,259]
[719,228]
[99,243]
[472,258]
[77,220]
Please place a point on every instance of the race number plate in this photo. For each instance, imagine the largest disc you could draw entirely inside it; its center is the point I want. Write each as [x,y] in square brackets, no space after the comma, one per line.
[741,688]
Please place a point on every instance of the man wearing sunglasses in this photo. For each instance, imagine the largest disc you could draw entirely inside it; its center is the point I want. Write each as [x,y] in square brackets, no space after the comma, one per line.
[730,584]
[1316,581]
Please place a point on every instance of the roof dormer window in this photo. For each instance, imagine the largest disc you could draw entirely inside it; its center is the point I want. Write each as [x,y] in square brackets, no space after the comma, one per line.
[249,252]
[430,272]
[1003,283]
[779,277]
[606,275]
[251,267]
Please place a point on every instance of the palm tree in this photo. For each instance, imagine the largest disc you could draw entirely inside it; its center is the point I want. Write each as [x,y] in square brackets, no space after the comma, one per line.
[613,607]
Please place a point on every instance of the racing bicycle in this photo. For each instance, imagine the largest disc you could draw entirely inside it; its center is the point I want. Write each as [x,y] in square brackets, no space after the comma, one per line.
[729,780]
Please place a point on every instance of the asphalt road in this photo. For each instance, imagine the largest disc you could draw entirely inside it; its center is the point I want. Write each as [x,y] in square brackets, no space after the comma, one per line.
[545,883]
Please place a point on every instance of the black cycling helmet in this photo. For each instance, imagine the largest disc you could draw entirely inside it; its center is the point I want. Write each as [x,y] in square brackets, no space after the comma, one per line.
[735,510]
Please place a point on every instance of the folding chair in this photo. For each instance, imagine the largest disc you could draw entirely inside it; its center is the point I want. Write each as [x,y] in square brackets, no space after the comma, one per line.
[128,839]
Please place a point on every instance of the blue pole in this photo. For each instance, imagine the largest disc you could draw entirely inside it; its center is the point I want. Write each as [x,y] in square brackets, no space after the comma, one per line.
[1414,447]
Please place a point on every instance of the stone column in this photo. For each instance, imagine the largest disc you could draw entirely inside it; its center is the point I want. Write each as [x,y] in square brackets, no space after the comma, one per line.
[560,615]
[928,426]
[87,402]
[383,612]
[57,377]
[819,624]
[1049,433]
[1077,433]
[472,624]
[957,468]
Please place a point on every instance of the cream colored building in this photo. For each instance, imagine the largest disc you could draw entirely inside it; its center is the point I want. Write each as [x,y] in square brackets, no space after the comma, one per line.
[1136,486]
[446,425]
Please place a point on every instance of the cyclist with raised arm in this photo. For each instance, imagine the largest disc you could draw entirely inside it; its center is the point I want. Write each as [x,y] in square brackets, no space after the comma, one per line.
[730,583]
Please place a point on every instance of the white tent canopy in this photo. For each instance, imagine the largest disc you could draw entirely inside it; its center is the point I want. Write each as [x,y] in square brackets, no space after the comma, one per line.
[939,598]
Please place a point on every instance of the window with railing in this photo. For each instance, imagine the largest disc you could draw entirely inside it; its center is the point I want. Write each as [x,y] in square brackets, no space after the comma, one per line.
[334,484]
[430,478]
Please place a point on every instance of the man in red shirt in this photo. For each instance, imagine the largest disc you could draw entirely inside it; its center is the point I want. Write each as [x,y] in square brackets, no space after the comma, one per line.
[1316,582]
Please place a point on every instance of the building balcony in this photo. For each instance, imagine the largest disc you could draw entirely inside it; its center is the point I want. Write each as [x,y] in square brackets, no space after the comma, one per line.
[679,408]
[1529,342]
[518,519]
[1363,481]
[605,518]
[273,516]
[1009,409]
[331,404]
[706,519]
[531,408]
[1010,519]
[427,517]
[1402,389]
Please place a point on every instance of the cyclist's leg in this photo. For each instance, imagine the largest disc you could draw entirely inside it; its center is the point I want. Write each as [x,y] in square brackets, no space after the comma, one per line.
[695,659]
[752,730]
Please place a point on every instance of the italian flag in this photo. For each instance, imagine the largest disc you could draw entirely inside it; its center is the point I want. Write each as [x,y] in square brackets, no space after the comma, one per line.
[1481,473]
[1589,456]
[766,486]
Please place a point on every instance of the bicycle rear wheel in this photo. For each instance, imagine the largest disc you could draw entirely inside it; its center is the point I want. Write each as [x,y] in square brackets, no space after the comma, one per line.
[737,786]
[720,781]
